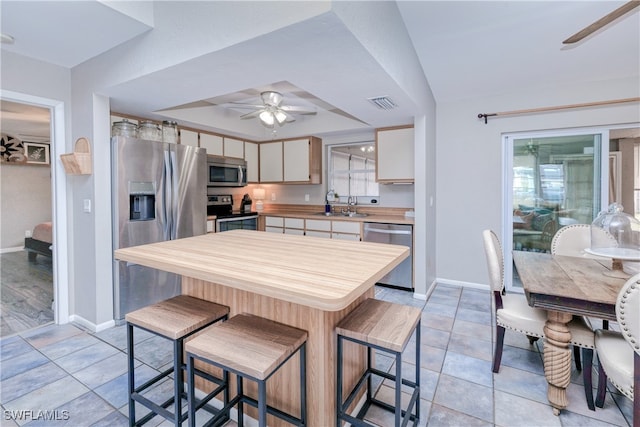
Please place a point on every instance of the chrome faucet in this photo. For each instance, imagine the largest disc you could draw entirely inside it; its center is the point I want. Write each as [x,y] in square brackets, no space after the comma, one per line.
[351,201]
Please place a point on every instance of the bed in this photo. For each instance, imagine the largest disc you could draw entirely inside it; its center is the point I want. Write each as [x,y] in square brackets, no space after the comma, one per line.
[40,242]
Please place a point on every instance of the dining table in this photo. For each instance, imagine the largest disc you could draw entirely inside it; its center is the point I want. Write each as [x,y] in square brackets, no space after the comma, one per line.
[565,286]
[307,282]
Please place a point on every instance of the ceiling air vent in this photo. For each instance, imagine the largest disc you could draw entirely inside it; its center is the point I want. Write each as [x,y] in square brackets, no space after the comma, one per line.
[383,102]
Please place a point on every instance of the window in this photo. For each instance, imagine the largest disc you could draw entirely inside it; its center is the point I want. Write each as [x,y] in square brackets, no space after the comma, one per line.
[352,170]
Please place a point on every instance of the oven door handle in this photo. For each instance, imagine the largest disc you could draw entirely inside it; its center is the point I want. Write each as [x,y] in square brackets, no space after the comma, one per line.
[237,218]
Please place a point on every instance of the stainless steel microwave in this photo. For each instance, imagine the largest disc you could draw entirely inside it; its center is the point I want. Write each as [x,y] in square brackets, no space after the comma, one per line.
[226,172]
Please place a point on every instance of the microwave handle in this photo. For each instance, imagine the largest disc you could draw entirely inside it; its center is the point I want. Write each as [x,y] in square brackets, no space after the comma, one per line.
[240,175]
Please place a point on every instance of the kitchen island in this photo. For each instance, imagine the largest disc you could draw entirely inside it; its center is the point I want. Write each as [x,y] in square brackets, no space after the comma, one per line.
[310,283]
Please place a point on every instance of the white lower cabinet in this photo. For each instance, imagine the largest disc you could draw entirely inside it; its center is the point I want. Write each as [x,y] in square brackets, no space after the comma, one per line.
[314,233]
[318,228]
[345,236]
[211,226]
[274,224]
[294,226]
[295,231]
[345,230]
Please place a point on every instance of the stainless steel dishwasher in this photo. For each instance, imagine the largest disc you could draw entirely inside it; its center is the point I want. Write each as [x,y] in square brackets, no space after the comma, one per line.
[396,234]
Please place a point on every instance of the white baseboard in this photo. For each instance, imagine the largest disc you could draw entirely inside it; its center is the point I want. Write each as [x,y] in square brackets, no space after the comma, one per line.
[464,284]
[14,249]
[90,325]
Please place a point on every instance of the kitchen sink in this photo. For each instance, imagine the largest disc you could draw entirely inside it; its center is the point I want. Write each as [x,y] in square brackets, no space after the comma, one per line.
[354,214]
[348,214]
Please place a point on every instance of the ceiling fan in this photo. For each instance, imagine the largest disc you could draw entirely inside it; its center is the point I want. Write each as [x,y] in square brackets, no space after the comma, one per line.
[605,20]
[271,112]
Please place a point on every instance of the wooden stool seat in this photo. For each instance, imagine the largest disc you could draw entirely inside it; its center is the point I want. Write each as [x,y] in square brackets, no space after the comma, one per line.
[248,344]
[386,327]
[174,319]
[381,323]
[178,316]
[250,347]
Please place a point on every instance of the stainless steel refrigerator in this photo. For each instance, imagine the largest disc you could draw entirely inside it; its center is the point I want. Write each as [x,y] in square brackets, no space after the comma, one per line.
[159,192]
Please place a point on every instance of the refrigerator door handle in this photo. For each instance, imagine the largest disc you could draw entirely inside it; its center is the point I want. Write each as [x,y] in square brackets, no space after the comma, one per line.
[166,200]
[174,194]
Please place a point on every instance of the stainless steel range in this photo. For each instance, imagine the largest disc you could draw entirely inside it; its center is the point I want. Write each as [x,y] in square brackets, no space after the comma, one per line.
[221,205]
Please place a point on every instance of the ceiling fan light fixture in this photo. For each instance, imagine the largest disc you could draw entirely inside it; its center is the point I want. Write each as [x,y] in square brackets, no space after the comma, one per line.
[267,118]
[270,116]
[280,117]
[271,98]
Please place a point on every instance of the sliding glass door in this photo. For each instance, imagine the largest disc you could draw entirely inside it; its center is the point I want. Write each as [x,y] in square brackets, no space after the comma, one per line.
[551,181]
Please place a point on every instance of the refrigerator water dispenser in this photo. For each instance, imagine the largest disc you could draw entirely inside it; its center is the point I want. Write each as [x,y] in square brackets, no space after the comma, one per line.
[142,201]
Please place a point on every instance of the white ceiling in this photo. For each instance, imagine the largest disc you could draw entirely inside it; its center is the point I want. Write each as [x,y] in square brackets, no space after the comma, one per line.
[467,49]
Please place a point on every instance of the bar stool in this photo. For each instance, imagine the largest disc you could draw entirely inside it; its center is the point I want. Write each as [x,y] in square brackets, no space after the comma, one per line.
[249,347]
[174,319]
[387,327]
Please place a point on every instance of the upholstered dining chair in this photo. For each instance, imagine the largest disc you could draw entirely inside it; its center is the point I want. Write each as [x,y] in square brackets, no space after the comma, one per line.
[572,240]
[511,311]
[619,352]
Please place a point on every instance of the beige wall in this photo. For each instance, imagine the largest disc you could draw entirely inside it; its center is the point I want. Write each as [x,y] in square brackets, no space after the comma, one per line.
[25,200]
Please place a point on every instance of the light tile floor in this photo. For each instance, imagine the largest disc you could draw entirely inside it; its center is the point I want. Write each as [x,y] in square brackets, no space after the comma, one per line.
[80,377]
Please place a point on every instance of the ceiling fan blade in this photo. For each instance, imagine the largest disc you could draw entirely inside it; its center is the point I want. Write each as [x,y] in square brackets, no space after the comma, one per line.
[297,110]
[605,20]
[242,106]
[251,115]
[289,118]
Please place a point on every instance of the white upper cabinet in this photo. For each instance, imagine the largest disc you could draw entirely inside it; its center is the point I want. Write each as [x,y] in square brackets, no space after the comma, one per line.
[251,156]
[296,160]
[233,148]
[271,161]
[299,162]
[188,137]
[394,155]
[212,143]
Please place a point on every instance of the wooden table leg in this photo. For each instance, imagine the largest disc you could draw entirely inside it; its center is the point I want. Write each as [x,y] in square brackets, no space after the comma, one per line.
[557,358]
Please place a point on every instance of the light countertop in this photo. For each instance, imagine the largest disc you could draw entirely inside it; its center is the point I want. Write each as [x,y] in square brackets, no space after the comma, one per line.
[371,217]
[328,274]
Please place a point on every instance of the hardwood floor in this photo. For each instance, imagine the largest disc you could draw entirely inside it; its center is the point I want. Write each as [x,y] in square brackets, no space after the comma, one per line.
[26,292]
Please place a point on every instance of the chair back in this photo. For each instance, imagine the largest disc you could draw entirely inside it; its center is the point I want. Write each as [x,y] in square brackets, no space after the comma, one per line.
[495,260]
[573,239]
[628,312]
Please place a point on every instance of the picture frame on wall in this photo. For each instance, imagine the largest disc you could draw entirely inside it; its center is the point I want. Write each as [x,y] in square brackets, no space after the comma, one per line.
[36,153]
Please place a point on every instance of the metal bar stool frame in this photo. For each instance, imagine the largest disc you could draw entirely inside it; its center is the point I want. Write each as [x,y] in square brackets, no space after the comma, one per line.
[240,398]
[177,417]
[366,378]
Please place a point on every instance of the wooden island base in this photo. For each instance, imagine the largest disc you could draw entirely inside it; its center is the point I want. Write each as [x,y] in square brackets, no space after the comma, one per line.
[283,388]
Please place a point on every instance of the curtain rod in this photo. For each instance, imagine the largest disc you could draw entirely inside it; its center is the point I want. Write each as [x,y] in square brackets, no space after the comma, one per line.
[559,107]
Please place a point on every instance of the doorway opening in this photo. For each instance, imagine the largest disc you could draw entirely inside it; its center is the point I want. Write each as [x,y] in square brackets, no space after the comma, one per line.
[46,262]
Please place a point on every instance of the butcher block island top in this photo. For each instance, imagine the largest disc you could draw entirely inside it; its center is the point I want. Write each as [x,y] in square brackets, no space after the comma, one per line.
[327,274]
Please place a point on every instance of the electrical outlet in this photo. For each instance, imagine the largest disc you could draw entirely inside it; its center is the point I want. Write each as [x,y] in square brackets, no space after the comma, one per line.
[306,197]
[27,233]
[273,197]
